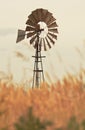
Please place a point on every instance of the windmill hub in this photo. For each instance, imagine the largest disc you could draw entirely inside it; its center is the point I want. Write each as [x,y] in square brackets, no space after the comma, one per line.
[41,29]
[44,32]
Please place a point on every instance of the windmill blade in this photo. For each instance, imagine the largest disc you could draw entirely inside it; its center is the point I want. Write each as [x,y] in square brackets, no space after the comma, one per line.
[30,28]
[48,17]
[51,20]
[32,18]
[39,14]
[30,34]
[35,15]
[33,38]
[44,44]
[51,40]
[54,30]
[52,25]
[29,22]
[53,35]
[44,12]
[20,36]
[48,43]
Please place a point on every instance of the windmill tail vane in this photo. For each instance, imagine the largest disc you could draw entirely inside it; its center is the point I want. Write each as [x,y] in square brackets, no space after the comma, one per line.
[42,30]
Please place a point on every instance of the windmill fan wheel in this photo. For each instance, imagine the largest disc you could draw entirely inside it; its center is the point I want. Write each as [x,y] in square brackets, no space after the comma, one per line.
[41,22]
[41,19]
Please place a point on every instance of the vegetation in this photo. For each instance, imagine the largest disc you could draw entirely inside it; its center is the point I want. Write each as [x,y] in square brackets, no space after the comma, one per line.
[56,103]
[30,122]
[74,125]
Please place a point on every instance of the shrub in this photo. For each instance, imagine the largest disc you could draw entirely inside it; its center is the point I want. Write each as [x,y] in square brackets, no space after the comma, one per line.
[31,122]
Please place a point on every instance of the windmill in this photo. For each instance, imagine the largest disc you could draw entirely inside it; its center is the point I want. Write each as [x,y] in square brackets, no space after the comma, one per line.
[41,29]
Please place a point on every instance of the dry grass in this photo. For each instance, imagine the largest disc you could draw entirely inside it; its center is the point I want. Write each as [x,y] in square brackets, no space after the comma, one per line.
[57,102]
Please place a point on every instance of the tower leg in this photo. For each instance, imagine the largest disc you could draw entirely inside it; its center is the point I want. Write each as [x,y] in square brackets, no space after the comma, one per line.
[38,66]
[33,76]
[42,68]
[38,75]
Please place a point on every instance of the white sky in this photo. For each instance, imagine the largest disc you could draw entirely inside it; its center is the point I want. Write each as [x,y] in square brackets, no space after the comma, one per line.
[70,15]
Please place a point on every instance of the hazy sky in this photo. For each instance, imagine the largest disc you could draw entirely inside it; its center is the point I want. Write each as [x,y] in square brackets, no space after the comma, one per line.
[69,14]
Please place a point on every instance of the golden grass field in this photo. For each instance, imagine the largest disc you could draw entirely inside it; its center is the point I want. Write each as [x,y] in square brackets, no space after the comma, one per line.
[57,102]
